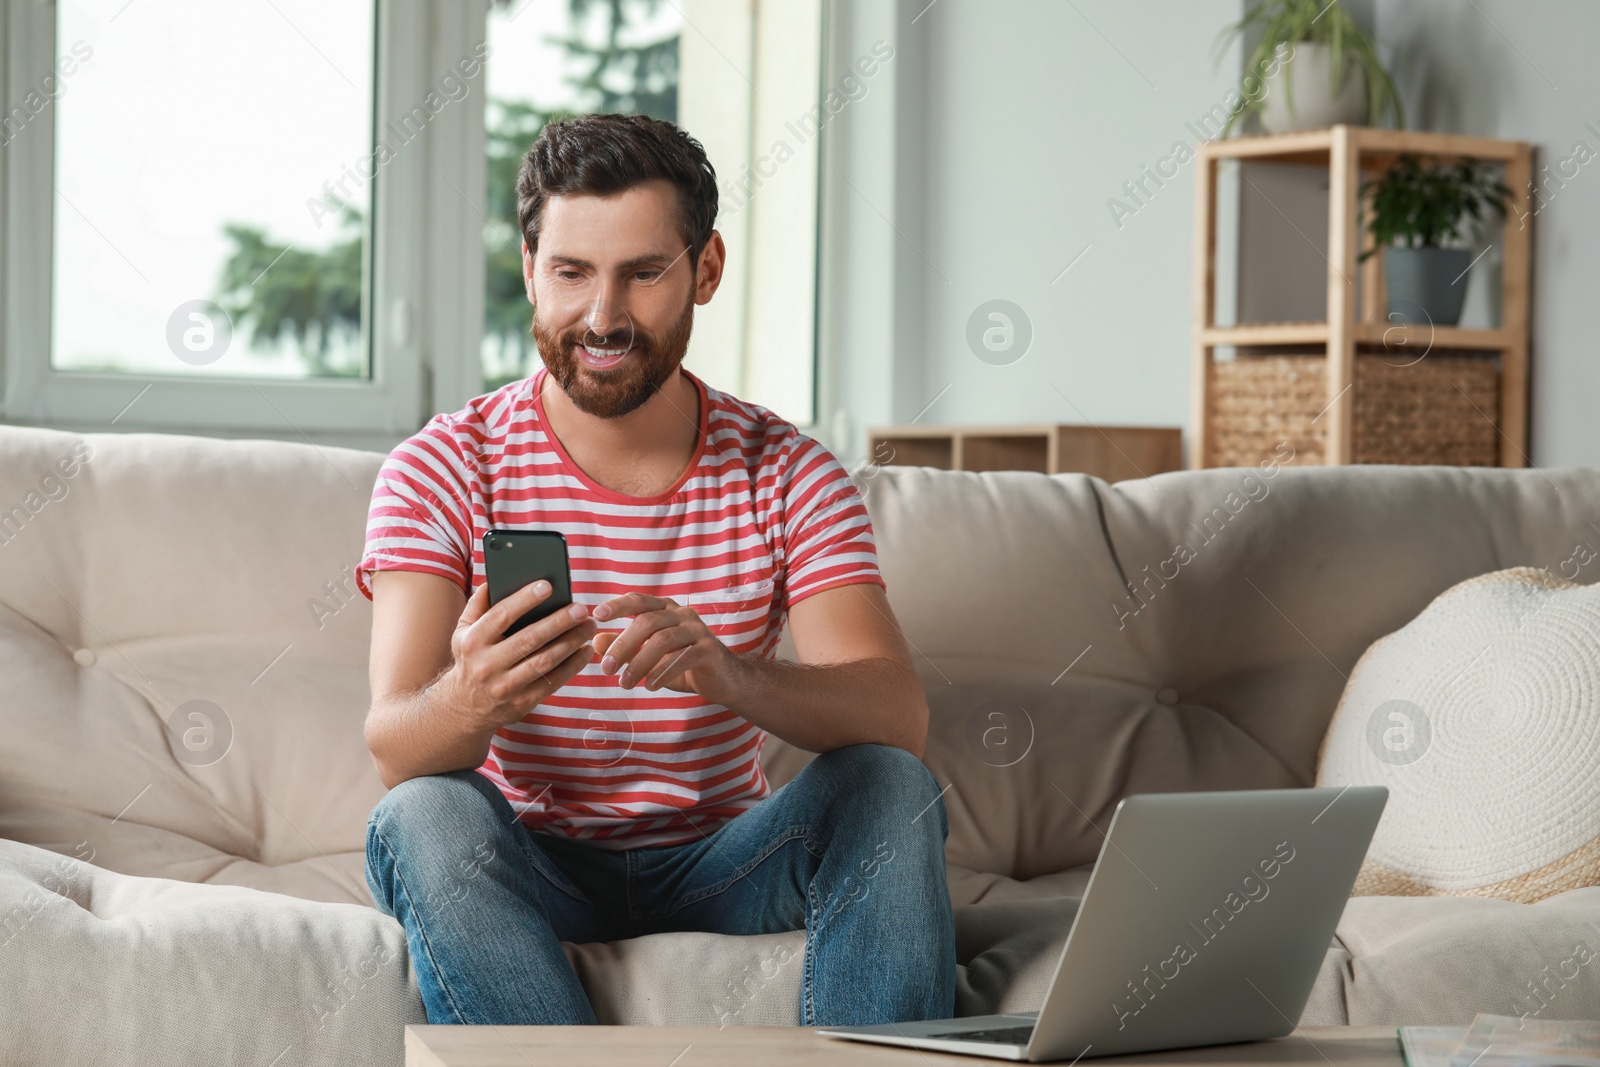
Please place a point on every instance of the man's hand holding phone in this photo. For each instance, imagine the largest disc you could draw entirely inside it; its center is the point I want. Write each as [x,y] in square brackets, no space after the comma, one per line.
[499,678]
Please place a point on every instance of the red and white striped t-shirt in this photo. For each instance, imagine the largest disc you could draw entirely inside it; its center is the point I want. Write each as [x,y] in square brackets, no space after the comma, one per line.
[763,517]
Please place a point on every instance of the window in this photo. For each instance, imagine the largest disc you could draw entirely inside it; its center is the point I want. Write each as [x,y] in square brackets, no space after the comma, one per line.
[207,238]
[314,237]
[188,238]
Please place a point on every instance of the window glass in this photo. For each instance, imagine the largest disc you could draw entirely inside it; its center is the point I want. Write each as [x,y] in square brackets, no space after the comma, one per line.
[212,188]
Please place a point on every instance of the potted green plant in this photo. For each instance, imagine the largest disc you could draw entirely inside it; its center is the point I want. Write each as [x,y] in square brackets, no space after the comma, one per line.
[1422,217]
[1313,66]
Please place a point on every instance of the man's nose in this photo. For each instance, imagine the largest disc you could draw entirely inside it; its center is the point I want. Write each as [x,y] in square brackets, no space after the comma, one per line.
[606,314]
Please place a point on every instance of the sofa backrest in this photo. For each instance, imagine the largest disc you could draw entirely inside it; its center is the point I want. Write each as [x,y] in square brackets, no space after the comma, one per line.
[181,570]
[1055,689]
[168,570]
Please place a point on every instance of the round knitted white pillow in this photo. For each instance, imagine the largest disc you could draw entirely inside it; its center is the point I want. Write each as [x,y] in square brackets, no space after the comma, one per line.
[1482,716]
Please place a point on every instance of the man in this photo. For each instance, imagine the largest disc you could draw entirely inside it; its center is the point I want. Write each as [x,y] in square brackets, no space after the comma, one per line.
[596,776]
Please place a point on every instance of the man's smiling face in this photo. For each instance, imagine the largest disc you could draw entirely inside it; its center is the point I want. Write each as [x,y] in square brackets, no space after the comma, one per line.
[613,293]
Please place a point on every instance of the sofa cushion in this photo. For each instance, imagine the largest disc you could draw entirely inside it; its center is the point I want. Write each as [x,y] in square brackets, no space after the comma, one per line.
[191,974]
[331,981]
[1482,716]
[328,980]
[1006,954]
[177,570]
[1437,961]
[1394,960]
[1028,763]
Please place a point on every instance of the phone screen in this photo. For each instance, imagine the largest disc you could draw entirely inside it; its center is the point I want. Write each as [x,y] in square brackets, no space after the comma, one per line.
[515,558]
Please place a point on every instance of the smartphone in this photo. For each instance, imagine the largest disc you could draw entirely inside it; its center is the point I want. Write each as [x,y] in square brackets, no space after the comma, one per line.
[515,558]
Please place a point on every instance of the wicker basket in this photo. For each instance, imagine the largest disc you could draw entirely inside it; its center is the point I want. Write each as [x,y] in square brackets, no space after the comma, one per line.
[1436,410]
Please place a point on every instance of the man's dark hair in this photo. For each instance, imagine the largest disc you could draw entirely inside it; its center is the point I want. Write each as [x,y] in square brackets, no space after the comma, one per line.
[604,154]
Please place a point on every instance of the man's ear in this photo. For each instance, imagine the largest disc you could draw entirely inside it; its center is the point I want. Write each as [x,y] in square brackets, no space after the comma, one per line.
[527,270]
[708,271]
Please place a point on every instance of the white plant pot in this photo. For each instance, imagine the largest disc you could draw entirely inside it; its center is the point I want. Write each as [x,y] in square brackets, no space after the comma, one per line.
[1300,98]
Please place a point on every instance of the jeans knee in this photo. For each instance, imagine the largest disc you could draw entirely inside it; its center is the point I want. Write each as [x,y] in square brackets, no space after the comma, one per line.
[414,797]
[884,766]
[429,828]
[896,785]
[436,805]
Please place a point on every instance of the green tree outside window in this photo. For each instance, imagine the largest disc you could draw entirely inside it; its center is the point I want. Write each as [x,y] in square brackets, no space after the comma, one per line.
[313,296]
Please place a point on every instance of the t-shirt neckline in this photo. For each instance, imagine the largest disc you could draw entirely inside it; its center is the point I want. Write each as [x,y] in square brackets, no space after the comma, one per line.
[704,400]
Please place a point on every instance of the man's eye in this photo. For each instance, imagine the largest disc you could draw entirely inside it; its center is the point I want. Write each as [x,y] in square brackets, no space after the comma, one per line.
[567,275]
[647,275]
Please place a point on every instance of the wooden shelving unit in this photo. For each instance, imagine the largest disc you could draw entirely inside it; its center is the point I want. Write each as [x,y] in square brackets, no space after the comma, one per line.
[1349,153]
[1110,452]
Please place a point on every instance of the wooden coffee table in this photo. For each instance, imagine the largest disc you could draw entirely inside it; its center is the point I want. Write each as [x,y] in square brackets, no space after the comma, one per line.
[780,1046]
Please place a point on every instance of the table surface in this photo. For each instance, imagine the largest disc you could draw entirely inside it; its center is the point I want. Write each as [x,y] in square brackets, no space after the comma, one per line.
[776,1046]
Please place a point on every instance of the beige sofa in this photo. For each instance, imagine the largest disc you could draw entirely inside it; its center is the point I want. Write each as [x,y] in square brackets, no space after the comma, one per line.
[224,917]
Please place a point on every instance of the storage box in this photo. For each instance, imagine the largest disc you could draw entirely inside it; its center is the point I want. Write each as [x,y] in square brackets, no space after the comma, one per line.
[1437,409]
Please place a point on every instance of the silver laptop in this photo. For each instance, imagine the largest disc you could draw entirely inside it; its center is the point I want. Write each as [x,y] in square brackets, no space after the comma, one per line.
[1205,922]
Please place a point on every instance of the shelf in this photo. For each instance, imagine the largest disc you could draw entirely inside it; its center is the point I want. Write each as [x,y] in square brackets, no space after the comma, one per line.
[1366,335]
[1005,452]
[1113,453]
[1391,335]
[1348,154]
[929,430]
[1267,333]
[1377,148]
[911,450]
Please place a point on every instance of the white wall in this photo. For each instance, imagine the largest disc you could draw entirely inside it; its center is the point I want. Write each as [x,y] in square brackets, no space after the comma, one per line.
[1027,116]
[1008,124]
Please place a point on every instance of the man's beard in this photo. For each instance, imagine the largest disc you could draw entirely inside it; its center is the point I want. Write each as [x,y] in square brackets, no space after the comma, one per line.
[614,393]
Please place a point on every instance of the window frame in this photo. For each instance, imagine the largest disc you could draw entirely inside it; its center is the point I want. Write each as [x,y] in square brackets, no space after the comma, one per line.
[386,402]
[763,66]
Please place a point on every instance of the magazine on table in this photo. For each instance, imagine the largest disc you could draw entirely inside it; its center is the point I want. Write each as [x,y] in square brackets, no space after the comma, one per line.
[1503,1041]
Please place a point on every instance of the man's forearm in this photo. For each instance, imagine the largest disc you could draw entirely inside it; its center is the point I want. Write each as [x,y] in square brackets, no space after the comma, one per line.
[423,732]
[815,707]
[818,707]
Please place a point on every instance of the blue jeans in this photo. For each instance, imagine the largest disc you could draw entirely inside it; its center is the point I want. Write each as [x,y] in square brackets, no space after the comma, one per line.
[852,851]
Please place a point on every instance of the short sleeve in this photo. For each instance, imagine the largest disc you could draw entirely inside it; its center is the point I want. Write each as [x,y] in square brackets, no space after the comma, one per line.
[420,516]
[827,534]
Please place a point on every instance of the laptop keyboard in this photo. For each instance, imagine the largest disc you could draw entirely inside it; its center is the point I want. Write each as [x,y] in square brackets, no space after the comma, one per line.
[1007,1035]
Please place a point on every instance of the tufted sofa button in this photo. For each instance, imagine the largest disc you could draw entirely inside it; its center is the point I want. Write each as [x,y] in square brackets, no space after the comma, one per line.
[1166,695]
[85,657]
